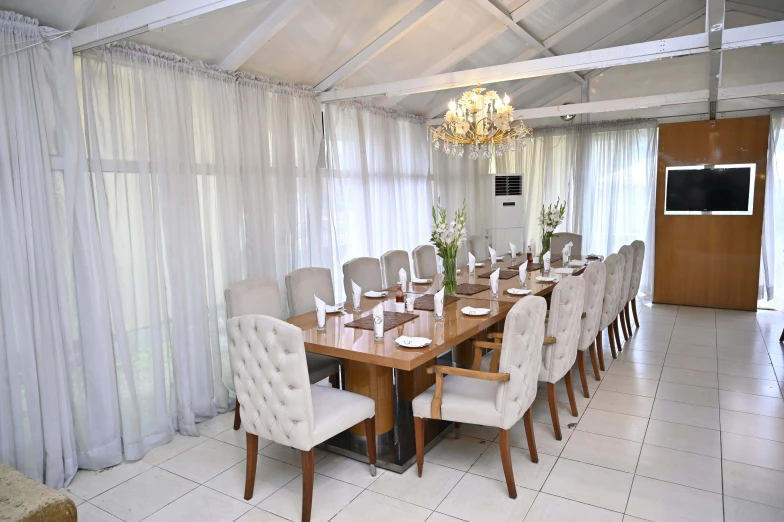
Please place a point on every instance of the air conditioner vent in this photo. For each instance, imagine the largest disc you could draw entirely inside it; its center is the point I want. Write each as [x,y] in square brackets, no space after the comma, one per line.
[508,185]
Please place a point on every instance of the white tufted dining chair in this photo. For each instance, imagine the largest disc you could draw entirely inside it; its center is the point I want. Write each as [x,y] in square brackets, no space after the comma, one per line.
[477,245]
[278,402]
[627,252]
[425,264]
[559,240]
[634,289]
[594,276]
[391,263]
[563,333]
[614,268]
[497,399]
[262,296]
[364,271]
[303,284]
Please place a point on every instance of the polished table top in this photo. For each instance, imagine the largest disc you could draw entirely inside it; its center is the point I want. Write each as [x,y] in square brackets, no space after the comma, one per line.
[359,345]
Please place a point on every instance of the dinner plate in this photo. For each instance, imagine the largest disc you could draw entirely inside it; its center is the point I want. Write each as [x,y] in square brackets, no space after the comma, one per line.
[577,262]
[334,309]
[412,342]
[564,270]
[517,291]
[418,281]
[374,294]
[543,279]
[479,264]
[469,310]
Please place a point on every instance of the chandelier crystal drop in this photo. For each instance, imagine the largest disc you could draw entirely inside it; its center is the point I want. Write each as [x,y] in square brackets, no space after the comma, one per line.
[482,120]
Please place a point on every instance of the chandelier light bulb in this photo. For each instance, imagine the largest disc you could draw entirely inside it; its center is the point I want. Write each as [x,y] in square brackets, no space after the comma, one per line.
[506,99]
[452,105]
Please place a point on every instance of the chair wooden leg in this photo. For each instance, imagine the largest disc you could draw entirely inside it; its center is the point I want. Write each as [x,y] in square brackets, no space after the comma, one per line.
[457,430]
[334,380]
[370,432]
[553,400]
[623,325]
[581,367]
[600,350]
[570,392]
[419,435]
[237,420]
[250,465]
[594,362]
[617,335]
[611,335]
[308,474]
[628,322]
[528,421]
[634,312]
[506,460]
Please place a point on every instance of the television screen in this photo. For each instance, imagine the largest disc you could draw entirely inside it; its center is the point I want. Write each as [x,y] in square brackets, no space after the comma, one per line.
[710,189]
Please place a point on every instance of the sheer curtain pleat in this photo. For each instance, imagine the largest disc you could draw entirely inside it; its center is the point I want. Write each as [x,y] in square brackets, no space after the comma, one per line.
[377,165]
[771,290]
[57,401]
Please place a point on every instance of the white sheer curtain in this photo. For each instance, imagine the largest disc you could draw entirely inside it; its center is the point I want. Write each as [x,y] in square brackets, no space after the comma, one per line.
[377,161]
[772,273]
[57,398]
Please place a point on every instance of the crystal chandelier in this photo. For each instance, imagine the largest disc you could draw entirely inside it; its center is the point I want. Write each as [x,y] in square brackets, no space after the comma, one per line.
[482,121]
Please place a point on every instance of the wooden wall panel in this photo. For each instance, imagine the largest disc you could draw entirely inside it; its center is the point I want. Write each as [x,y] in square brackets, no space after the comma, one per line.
[710,261]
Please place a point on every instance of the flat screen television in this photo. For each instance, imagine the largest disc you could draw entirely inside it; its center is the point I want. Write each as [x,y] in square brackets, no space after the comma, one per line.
[710,190]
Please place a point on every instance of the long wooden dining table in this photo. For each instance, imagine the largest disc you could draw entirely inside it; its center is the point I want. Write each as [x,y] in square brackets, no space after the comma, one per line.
[393,375]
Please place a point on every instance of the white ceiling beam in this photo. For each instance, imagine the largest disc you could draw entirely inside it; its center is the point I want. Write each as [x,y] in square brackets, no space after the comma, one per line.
[754,10]
[145,19]
[527,8]
[407,23]
[714,26]
[286,11]
[751,35]
[506,19]
[613,56]
[645,102]
[587,14]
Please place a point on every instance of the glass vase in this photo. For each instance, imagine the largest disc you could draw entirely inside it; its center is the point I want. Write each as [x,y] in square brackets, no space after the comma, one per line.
[450,276]
[546,237]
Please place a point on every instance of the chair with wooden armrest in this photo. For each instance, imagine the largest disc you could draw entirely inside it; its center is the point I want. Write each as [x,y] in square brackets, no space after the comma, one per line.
[566,307]
[491,399]
[594,276]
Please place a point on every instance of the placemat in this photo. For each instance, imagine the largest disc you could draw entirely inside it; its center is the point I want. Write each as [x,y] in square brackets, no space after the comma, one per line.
[503,274]
[469,289]
[531,266]
[391,320]
[427,302]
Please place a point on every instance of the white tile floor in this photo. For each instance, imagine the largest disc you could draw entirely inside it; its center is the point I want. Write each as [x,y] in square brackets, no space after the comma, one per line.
[687,424]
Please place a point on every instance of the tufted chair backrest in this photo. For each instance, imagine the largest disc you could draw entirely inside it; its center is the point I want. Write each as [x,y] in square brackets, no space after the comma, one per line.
[425,264]
[639,256]
[303,284]
[391,263]
[254,296]
[364,271]
[521,358]
[477,245]
[594,276]
[566,307]
[271,379]
[614,266]
[627,252]
[559,240]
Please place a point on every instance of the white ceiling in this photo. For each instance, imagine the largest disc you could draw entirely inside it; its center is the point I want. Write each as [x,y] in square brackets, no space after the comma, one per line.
[455,35]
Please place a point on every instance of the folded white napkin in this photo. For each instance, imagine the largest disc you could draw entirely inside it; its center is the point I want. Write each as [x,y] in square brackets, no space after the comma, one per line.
[403,278]
[493,256]
[438,303]
[374,293]
[564,270]
[577,262]
[523,271]
[413,342]
[518,291]
[321,311]
[357,291]
[513,250]
[569,245]
[546,279]
[494,280]
[378,320]
[470,310]
[546,261]
[471,263]
[420,281]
